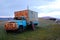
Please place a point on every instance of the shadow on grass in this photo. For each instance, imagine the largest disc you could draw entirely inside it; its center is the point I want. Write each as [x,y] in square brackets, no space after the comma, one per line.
[27,30]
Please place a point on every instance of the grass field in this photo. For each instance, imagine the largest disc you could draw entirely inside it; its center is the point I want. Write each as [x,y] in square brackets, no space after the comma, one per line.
[39,34]
[42,32]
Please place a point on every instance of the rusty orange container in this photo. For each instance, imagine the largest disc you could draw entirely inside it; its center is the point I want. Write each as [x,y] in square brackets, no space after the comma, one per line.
[30,15]
[10,26]
[21,13]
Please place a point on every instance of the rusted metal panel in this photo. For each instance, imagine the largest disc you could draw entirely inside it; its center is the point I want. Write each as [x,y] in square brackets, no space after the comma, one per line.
[30,15]
[33,16]
[11,26]
[21,13]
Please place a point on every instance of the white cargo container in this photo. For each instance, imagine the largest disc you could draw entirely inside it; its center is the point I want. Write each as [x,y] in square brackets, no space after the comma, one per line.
[33,16]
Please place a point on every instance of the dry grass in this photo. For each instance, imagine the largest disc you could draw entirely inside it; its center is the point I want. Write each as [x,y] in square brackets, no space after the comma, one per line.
[48,32]
[45,22]
[41,33]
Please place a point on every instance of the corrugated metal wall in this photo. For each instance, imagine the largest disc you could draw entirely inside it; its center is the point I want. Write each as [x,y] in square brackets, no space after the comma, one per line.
[22,13]
[33,16]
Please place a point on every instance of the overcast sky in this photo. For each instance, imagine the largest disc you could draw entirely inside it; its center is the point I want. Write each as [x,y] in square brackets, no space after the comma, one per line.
[43,7]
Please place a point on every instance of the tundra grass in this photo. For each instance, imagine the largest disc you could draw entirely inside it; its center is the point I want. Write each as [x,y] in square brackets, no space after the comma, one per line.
[41,33]
[50,32]
[3,34]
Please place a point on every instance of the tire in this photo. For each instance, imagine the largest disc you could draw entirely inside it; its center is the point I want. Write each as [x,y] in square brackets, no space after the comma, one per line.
[21,29]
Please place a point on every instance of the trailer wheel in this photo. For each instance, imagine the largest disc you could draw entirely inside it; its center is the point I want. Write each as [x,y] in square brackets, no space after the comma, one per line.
[20,29]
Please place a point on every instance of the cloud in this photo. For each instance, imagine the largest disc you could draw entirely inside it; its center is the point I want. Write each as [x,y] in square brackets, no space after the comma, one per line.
[53,5]
[8,7]
[44,7]
[51,9]
[55,13]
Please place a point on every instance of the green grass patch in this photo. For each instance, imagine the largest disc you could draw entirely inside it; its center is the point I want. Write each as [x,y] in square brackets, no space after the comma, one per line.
[51,32]
[3,34]
[41,33]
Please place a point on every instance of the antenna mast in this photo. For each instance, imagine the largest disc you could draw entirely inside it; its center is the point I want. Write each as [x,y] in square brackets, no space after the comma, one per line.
[27,7]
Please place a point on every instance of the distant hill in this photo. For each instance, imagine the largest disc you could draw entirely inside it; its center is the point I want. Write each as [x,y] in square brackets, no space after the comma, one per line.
[47,17]
[3,19]
[44,22]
